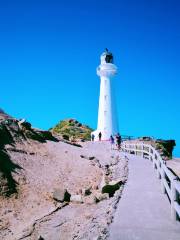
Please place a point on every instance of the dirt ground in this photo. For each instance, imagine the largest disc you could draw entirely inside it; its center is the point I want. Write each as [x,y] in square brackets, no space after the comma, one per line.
[33,212]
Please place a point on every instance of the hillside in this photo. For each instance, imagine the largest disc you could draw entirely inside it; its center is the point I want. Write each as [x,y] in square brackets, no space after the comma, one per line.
[71,129]
[51,188]
[54,189]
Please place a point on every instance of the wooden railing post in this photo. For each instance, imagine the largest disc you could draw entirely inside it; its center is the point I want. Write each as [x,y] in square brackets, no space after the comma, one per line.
[142,154]
[154,164]
[158,167]
[136,150]
[173,199]
[142,151]
[163,189]
[149,155]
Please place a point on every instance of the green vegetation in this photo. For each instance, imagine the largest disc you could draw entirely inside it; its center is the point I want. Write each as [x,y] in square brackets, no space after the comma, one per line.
[71,129]
[165,147]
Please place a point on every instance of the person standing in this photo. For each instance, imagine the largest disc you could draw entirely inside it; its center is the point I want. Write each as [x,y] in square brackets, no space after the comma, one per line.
[112,142]
[100,136]
[92,137]
[118,139]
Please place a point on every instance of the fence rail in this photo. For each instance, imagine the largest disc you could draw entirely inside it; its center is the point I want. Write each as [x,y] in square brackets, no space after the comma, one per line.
[170,184]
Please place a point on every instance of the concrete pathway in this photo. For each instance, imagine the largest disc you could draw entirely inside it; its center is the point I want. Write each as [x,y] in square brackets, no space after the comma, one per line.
[143,212]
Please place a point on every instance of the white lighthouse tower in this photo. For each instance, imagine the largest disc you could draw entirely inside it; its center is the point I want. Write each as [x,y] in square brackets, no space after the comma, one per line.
[107,117]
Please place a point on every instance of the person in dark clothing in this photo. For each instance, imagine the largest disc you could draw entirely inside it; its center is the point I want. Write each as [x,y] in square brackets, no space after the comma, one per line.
[112,142]
[118,140]
[92,137]
[100,136]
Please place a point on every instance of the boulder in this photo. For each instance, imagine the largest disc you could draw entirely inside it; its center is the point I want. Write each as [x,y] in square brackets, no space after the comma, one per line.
[61,195]
[66,137]
[76,198]
[86,191]
[40,238]
[101,196]
[25,124]
[84,156]
[111,187]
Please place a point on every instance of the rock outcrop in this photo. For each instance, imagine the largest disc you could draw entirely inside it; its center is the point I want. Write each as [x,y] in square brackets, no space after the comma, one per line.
[112,187]
[61,195]
[165,147]
[72,130]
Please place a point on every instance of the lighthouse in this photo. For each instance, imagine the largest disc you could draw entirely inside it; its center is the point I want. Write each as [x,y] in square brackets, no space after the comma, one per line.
[107,116]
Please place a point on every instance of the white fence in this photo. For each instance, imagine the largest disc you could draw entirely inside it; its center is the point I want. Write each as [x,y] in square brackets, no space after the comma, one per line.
[169,182]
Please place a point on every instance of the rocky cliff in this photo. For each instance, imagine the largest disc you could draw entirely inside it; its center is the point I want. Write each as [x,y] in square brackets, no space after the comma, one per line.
[164,147]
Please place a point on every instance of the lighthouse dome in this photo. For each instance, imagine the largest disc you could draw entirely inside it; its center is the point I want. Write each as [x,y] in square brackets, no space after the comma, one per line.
[106,57]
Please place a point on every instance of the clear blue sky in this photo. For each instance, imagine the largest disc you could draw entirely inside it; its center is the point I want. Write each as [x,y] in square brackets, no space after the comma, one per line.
[49,51]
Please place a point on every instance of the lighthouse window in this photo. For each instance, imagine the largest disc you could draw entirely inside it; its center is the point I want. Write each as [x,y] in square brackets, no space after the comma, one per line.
[105,112]
[105,97]
[109,58]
